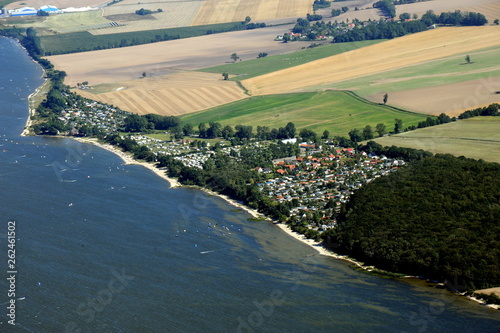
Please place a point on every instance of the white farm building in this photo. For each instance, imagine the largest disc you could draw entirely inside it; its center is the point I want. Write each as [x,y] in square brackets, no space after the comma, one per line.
[25,11]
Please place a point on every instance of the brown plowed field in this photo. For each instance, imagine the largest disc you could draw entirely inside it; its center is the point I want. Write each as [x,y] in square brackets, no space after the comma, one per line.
[173,94]
[219,11]
[396,53]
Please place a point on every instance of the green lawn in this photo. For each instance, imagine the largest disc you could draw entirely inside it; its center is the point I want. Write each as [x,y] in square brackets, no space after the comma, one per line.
[438,72]
[477,138]
[256,67]
[335,111]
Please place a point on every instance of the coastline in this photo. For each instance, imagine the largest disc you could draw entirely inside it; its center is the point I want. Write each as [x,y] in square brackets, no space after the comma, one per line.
[317,246]
[127,158]
[32,108]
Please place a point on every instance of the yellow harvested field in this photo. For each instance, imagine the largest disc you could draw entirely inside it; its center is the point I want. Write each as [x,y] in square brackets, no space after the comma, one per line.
[397,53]
[173,94]
[491,11]
[452,99]
[220,11]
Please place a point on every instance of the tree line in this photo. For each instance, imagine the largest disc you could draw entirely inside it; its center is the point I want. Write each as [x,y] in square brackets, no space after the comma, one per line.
[437,217]
[490,110]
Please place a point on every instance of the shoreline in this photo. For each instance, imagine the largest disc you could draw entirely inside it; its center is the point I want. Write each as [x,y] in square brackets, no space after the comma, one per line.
[317,246]
[129,160]
[31,109]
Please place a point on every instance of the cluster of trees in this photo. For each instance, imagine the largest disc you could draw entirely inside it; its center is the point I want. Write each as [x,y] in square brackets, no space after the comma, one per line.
[314,17]
[490,110]
[215,130]
[145,123]
[381,30]
[437,217]
[407,154]
[367,133]
[404,2]
[433,121]
[318,4]
[456,18]
[337,12]
[143,11]
[386,6]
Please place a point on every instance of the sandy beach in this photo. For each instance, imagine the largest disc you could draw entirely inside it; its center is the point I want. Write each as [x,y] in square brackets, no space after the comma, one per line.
[32,108]
[128,159]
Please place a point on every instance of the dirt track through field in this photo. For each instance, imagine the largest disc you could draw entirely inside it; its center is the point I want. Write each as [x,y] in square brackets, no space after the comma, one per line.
[393,54]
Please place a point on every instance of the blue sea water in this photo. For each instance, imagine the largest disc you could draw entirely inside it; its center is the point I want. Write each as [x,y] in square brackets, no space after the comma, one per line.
[107,247]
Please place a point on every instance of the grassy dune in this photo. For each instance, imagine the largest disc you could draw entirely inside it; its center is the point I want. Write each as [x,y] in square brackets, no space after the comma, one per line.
[477,138]
[335,111]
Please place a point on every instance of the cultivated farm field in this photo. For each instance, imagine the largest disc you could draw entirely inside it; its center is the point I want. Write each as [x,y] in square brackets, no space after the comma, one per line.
[68,22]
[174,14]
[449,84]
[173,94]
[256,67]
[397,53]
[219,11]
[335,111]
[476,138]
[124,64]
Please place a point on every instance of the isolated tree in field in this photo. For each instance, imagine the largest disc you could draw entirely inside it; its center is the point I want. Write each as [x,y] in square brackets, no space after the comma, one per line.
[144,74]
[345,9]
[398,126]
[496,21]
[467,59]
[225,76]
[386,97]
[380,129]
[234,56]
[262,55]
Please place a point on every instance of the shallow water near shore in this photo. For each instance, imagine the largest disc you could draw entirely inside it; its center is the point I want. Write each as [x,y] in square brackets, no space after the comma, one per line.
[107,247]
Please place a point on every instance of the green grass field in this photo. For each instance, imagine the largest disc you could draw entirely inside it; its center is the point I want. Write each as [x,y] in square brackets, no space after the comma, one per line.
[438,72]
[335,111]
[68,22]
[256,67]
[476,138]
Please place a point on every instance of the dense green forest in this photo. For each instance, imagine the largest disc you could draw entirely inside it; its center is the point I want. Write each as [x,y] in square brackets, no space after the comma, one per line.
[438,217]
